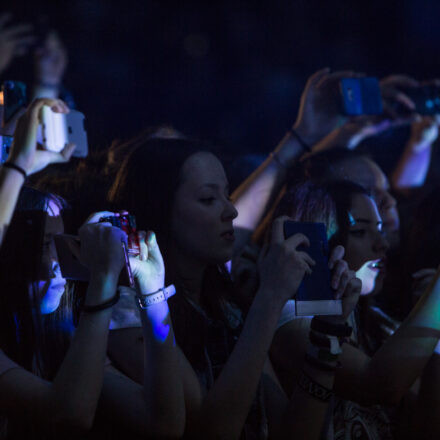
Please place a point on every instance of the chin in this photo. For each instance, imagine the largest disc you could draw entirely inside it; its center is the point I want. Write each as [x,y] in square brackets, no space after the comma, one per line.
[368,277]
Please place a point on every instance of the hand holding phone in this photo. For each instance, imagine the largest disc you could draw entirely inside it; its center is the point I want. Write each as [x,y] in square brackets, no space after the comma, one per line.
[315,294]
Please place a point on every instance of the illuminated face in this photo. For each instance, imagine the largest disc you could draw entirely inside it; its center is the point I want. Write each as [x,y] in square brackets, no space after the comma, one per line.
[366,246]
[202,213]
[366,173]
[51,287]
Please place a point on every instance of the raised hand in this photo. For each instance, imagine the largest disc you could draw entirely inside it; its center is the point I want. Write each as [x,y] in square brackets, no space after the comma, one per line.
[282,267]
[424,132]
[391,93]
[148,268]
[344,282]
[319,111]
[14,40]
[101,246]
[24,150]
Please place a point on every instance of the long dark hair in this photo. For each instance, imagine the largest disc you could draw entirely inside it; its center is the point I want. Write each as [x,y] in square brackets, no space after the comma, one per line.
[36,342]
[328,203]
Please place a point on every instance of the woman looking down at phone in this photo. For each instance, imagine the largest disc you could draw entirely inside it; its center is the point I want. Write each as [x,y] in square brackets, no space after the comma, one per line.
[179,188]
[364,381]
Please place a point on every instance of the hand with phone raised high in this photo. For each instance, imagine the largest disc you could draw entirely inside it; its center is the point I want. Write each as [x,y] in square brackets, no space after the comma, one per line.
[25,152]
[319,111]
[282,266]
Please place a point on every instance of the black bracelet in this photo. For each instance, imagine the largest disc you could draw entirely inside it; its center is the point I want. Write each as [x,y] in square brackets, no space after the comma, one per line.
[314,388]
[301,141]
[328,328]
[106,305]
[16,168]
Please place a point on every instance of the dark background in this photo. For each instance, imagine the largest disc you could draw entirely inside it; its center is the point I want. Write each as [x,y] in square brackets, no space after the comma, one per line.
[227,71]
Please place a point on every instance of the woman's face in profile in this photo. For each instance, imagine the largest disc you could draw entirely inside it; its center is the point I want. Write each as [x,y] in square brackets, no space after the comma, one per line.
[366,247]
[51,286]
[202,215]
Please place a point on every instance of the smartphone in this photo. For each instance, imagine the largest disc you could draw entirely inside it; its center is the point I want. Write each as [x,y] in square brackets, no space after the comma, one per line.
[24,239]
[425,98]
[58,129]
[69,248]
[361,96]
[14,97]
[315,295]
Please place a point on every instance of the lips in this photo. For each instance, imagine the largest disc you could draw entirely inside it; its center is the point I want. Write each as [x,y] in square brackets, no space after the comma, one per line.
[228,235]
[377,265]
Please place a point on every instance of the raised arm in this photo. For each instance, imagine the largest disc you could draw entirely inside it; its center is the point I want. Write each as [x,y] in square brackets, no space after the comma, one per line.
[69,402]
[317,116]
[25,158]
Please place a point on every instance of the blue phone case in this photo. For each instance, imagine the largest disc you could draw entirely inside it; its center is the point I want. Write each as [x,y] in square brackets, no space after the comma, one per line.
[361,96]
[315,295]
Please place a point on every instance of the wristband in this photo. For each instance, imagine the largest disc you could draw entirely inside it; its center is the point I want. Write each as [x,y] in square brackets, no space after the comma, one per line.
[328,328]
[303,144]
[105,305]
[161,295]
[314,388]
[16,168]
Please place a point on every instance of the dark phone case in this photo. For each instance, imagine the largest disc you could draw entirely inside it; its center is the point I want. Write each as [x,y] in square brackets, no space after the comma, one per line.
[361,96]
[14,96]
[24,242]
[426,99]
[315,295]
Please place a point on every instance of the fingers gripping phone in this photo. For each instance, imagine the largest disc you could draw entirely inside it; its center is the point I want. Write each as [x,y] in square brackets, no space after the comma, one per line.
[69,250]
[58,129]
[315,295]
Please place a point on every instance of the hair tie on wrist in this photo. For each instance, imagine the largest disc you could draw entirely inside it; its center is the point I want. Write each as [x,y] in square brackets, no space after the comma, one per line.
[105,305]
[12,166]
[314,388]
[301,141]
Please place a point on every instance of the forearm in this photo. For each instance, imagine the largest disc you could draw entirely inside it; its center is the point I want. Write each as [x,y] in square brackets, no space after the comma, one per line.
[163,385]
[305,415]
[412,168]
[397,364]
[428,402]
[78,383]
[224,409]
[253,198]
[11,182]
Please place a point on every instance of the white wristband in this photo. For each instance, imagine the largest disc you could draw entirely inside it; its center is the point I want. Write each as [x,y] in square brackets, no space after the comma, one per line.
[146,300]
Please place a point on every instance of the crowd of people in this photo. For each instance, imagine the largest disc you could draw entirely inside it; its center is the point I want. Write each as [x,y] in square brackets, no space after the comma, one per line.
[206,342]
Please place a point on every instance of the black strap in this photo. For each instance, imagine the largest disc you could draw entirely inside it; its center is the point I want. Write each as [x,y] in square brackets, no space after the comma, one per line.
[16,168]
[313,388]
[106,305]
[303,144]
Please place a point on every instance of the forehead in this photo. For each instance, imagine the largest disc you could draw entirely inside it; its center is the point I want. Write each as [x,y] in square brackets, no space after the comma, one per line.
[365,172]
[201,169]
[364,207]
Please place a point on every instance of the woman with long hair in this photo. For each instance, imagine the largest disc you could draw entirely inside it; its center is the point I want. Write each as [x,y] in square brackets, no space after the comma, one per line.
[179,189]
[366,378]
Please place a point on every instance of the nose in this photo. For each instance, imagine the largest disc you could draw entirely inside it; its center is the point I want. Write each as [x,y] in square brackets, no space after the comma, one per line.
[55,270]
[229,211]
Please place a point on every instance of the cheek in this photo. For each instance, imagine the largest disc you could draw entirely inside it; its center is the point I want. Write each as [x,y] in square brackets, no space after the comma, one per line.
[354,255]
